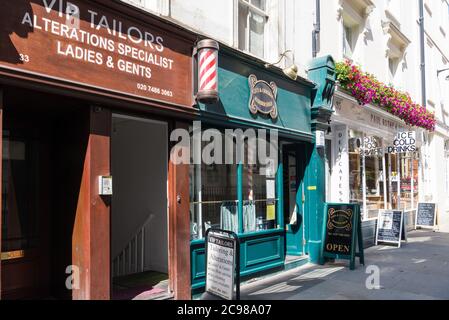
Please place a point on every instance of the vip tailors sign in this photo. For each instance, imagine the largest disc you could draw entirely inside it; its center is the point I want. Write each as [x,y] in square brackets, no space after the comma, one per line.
[403,142]
[89,44]
[220,265]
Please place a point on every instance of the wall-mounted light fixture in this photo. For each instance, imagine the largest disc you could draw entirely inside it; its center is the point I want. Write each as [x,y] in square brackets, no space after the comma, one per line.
[207,55]
[442,70]
[291,71]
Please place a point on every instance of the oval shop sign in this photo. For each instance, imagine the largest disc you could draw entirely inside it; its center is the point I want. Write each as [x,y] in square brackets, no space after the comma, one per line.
[263,97]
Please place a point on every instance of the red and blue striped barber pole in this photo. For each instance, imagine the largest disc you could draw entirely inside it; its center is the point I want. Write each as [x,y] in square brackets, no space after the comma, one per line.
[207,71]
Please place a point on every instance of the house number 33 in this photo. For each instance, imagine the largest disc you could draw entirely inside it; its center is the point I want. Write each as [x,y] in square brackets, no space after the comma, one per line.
[24,57]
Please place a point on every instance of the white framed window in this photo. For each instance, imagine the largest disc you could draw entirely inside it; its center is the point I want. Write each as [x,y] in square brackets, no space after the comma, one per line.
[350,36]
[252,25]
[393,64]
[444,17]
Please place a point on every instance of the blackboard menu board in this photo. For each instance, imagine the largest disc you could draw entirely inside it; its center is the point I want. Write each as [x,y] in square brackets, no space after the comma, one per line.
[391,227]
[426,215]
[339,231]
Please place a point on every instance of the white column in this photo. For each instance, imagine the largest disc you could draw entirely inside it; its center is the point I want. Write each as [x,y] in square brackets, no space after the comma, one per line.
[340,172]
[390,184]
[365,213]
[384,172]
[398,161]
[412,181]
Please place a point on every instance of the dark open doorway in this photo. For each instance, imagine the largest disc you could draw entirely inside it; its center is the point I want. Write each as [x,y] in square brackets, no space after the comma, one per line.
[139,219]
[44,143]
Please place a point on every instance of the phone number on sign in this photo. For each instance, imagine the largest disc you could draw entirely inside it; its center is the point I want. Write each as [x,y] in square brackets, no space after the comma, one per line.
[155,90]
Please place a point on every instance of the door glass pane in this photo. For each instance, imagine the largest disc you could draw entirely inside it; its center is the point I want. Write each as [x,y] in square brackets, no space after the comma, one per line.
[19,225]
[290,187]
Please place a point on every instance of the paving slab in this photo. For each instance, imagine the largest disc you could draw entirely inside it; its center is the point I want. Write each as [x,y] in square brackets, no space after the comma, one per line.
[419,270]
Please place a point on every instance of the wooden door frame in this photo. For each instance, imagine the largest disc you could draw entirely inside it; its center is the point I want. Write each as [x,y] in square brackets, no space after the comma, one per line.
[1,187]
[179,224]
[91,233]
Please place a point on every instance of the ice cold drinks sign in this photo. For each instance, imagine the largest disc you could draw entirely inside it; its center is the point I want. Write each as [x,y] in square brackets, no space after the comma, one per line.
[88,44]
[403,142]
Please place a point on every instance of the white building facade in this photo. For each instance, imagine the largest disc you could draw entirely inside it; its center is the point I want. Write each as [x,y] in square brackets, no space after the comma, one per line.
[383,37]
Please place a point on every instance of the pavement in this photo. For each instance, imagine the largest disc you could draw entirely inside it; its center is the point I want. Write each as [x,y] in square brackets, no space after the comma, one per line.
[419,270]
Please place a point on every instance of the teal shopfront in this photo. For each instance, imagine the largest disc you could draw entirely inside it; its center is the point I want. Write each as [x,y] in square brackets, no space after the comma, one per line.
[276,208]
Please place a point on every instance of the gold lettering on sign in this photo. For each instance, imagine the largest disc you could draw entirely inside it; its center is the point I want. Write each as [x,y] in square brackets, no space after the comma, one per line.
[337,248]
[11,255]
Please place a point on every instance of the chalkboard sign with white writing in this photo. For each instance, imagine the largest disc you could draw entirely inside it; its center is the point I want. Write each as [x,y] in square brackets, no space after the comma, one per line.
[391,227]
[426,215]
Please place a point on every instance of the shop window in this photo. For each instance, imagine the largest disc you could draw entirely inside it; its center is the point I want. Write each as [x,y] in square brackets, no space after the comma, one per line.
[374,176]
[260,203]
[403,180]
[409,181]
[379,180]
[214,196]
[355,167]
[19,225]
[252,20]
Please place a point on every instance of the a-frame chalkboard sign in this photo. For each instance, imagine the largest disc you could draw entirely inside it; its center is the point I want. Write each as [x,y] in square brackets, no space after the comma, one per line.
[391,227]
[426,215]
[342,233]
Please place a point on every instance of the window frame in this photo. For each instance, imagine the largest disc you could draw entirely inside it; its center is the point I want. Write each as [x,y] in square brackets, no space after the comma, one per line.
[256,10]
[240,199]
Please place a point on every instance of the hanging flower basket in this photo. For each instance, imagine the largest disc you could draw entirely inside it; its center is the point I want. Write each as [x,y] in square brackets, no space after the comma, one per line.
[366,89]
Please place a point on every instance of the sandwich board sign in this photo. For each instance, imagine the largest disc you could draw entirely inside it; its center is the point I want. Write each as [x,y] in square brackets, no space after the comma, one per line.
[342,233]
[391,227]
[426,215]
[222,264]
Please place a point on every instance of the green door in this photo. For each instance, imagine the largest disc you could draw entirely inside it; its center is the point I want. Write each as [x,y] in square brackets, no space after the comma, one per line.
[293,157]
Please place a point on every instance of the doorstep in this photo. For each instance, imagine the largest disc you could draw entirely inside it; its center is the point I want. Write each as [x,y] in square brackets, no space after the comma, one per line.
[159,292]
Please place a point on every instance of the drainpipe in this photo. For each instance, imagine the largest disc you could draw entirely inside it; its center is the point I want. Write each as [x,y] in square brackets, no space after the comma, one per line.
[423,53]
[425,136]
[316,29]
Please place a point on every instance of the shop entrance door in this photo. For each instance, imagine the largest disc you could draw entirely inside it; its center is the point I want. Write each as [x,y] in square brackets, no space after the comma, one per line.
[139,215]
[294,173]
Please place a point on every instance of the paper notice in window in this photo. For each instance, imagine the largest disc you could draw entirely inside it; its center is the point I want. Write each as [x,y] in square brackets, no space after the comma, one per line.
[271,212]
[271,192]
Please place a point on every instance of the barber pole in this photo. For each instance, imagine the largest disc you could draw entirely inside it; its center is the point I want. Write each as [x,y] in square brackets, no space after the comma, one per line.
[207,71]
